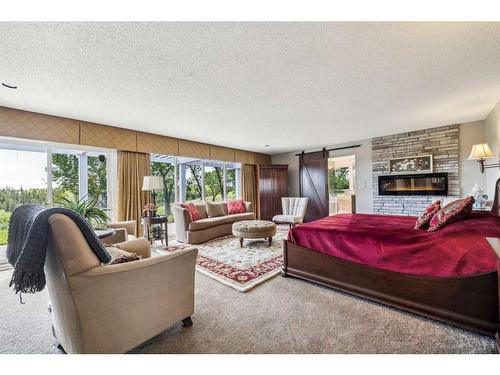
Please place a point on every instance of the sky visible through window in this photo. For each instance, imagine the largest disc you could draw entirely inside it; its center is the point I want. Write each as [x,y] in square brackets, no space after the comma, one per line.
[22,168]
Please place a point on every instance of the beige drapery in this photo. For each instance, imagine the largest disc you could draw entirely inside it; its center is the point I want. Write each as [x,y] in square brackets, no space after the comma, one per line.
[248,182]
[132,167]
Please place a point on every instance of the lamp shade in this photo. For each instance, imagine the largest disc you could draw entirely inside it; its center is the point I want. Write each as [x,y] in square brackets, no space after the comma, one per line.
[152,183]
[480,152]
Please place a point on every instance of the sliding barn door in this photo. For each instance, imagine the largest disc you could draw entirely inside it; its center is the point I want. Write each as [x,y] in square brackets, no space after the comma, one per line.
[314,183]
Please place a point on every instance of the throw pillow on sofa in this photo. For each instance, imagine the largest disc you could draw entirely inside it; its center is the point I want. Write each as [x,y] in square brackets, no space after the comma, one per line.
[236,206]
[425,218]
[195,215]
[214,209]
[454,211]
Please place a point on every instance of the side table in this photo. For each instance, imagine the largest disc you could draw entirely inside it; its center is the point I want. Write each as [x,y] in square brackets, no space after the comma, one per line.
[104,233]
[147,222]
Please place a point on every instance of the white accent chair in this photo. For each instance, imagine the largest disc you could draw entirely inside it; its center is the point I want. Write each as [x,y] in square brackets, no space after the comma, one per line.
[294,210]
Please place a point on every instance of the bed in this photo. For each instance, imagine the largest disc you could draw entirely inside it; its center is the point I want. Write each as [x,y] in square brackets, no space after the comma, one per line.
[449,275]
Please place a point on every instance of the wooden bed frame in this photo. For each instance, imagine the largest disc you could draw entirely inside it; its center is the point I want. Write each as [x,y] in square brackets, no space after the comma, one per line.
[470,302]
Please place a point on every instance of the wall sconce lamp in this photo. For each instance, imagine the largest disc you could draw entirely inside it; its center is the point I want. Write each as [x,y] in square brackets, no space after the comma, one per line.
[481,152]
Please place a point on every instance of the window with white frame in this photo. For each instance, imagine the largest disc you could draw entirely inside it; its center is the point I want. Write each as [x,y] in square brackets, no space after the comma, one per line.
[213,181]
[23,179]
[194,180]
[79,175]
[233,180]
[191,181]
[166,168]
[42,173]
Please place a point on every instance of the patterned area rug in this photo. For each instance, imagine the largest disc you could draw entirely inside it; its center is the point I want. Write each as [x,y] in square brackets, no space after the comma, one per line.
[241,268]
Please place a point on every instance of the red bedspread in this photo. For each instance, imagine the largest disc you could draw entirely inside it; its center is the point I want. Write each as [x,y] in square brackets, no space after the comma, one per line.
[391,243]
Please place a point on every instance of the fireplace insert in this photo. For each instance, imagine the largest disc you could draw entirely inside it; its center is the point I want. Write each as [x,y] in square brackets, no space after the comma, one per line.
[413,184]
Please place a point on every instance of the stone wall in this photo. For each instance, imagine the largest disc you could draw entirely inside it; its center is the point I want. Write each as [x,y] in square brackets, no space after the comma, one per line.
[442,142]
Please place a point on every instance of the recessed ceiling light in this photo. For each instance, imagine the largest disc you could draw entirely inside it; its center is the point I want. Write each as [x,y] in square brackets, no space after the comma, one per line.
[9,86]
[266,145]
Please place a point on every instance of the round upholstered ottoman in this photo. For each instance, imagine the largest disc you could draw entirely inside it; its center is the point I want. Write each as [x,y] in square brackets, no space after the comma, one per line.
[254,229]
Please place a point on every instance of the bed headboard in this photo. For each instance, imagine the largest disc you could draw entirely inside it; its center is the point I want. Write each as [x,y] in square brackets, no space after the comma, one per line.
[495,208]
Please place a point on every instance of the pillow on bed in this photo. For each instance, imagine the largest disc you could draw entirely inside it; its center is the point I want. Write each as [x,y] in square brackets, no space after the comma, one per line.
[425,218]
[454,211]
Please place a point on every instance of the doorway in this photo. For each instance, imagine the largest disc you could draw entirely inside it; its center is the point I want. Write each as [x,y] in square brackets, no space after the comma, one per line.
[341,184]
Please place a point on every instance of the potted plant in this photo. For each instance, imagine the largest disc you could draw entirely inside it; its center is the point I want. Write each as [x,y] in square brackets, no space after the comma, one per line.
[150,210]
[88,208]
[157,232]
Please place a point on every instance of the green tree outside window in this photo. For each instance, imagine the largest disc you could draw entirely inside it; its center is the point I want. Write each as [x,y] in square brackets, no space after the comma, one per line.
[338,180]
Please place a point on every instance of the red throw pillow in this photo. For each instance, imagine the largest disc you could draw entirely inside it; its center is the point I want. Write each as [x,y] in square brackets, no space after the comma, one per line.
[454,211]
[195,215]
[236,206]
[424,219]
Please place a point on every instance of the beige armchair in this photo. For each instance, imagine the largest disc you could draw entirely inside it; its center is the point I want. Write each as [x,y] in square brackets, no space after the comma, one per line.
[99,308]
[124,231]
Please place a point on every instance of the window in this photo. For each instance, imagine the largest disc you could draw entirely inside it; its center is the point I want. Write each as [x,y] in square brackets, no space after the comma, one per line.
[23,179]
[97,176]
[214,181]
[233,181]
[78,175]
[194,180]
[64,176]
[41,173]
[338,180]
[165,167]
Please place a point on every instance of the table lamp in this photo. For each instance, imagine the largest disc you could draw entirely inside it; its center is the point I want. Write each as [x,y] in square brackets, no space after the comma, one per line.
[152,183]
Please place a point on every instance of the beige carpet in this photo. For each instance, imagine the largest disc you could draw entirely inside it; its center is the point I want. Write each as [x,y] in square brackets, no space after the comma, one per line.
[282,315]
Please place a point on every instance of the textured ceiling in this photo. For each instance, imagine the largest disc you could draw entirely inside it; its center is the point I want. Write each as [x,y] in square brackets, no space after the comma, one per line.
[290,85]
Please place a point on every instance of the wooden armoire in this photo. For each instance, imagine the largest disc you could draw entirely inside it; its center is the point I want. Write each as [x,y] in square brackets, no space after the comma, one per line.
[272,184]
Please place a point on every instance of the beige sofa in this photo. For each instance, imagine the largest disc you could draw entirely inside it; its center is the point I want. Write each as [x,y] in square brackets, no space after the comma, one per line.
[113,308]
[207,228]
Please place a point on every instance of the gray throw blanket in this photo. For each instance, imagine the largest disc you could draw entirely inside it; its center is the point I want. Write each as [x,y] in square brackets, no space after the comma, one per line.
[28,240]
